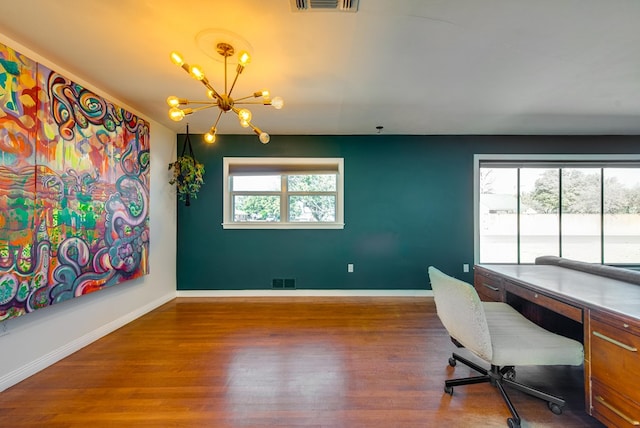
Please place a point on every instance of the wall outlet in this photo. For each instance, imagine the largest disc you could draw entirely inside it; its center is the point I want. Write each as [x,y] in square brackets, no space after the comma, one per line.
[465,267]
[350,267]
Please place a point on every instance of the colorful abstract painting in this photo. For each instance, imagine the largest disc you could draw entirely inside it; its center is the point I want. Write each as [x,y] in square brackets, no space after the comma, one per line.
[74,189]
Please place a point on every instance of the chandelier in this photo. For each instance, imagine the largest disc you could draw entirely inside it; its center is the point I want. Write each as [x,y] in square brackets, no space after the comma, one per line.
[180,107]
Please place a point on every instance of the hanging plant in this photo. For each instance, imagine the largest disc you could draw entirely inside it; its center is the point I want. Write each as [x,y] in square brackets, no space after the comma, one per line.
[188,174]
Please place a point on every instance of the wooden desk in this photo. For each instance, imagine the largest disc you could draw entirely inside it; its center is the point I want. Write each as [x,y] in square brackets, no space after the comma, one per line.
[603,313]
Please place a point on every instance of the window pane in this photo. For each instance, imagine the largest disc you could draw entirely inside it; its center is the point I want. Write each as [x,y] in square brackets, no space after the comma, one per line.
[256,183]
[621,215]
[539,207]
[312,183]
[498,215]
[256,208]
[312,208]
[581,214]
[258,192]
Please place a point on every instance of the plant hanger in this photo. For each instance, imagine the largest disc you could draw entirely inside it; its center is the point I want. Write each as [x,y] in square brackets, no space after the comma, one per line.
[187,173]
[187,142]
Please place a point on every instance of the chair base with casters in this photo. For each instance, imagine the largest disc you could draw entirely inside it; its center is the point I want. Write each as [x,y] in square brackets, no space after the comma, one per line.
[502,337]
[498,377]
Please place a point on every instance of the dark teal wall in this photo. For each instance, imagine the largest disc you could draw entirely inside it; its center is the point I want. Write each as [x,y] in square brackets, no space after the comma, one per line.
[408,205]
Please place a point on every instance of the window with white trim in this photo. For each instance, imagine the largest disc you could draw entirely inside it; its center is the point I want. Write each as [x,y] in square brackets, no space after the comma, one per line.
[283,193]
[583,207]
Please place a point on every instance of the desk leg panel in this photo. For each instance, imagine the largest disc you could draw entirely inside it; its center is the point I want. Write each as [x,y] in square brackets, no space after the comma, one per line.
[588,405]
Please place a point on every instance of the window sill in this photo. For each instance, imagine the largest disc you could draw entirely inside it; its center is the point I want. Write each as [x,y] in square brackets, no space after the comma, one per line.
[251,225]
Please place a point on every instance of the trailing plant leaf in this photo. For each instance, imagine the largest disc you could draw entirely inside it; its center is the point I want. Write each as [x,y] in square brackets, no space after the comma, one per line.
[188,176]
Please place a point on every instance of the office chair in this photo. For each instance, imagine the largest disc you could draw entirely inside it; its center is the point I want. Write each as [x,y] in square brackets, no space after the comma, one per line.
[502,337]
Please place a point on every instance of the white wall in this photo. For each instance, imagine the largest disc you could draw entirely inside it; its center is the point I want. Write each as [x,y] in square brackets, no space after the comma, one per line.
[37,340]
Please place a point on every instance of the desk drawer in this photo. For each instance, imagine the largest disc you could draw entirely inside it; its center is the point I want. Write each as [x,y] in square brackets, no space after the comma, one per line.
[557,306]
[488,287]
[615,359]
[612,408]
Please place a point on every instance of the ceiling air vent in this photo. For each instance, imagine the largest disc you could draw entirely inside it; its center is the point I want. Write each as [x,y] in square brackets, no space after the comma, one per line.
[324,5]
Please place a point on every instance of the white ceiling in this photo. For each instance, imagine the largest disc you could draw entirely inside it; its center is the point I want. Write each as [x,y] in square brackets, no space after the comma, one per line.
[412,66]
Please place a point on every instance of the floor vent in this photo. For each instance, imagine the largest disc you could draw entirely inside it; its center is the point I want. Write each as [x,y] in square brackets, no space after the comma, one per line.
[324,5]
[280,283]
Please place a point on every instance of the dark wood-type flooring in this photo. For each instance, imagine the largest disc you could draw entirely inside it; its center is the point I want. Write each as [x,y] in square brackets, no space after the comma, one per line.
[279,362]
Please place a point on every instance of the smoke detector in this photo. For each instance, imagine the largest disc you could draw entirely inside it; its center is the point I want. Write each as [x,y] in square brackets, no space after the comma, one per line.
[324,5]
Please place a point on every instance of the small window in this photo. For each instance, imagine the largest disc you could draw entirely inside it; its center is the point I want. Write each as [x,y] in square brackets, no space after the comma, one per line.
[283,193]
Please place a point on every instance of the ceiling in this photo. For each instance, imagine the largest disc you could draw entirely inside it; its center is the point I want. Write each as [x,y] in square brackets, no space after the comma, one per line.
[412,66]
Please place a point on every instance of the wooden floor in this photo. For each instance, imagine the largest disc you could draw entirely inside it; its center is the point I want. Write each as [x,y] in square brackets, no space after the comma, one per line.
[287,362]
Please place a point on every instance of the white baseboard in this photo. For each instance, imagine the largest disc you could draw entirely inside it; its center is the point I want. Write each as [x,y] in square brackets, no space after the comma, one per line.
[58,354]
[305,293]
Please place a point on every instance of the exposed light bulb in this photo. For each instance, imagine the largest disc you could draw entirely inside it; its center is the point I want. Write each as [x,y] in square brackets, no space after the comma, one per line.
[264,94]
[173,101]
[244,115]
[277,103]
[244,123]
[211,94]
[210,138]
[244,58]
[196,72]
[177,59]
[264,138]
[176,114]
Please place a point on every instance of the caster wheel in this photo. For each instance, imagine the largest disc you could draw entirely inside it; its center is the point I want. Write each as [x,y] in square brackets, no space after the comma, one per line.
[512,423]
[452,362]
[448,390]
[555,408]
[509,374]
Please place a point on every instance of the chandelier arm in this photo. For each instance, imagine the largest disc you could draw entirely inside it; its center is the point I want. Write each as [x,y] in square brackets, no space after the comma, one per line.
[259,132]
[243,98]
[215,125]
[266,103]
[238,71]
[215,93]
[205,81]
[225,76]
[209,87]
[204,107]
[213,103]
[255,129]
[186,68]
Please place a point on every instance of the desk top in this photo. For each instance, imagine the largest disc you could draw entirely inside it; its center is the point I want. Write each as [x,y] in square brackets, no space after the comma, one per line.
[581,288]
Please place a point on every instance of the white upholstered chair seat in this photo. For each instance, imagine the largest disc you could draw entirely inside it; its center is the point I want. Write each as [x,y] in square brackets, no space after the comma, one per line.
[516,341]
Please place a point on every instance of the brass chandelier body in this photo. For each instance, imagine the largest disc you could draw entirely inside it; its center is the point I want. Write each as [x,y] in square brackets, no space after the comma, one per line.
[179,107]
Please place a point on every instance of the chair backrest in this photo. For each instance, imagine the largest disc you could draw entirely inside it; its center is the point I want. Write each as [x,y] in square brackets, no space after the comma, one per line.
[461,312]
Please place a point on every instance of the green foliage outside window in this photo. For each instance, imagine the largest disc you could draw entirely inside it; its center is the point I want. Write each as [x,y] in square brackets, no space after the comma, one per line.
[581,194]
[303,204]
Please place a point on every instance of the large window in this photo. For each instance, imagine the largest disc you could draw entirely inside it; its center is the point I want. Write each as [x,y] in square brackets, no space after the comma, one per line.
[292,193]
[585,209]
